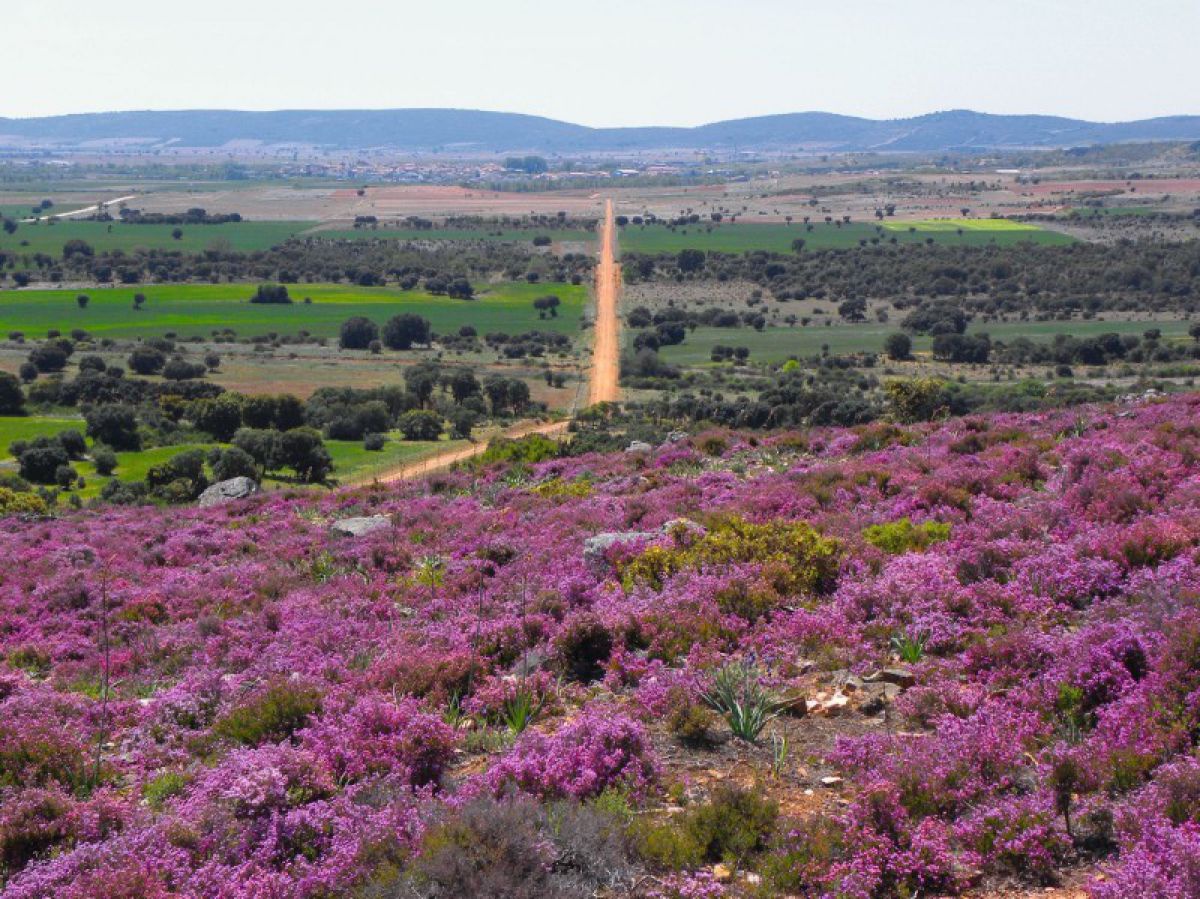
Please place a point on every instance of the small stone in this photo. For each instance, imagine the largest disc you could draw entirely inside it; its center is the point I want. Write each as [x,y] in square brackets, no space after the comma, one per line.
[793,703]
[722,873]
[852,684]
[533,661]
[360,527]
[638,446]
[681,526]
[901,677]
[833,706]
[831,781]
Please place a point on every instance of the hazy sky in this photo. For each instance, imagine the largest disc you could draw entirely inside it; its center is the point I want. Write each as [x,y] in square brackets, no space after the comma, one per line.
[615,62]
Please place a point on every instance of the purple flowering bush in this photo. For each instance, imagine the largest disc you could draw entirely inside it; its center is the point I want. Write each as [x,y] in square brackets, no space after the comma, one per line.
[579,760]
[235,702]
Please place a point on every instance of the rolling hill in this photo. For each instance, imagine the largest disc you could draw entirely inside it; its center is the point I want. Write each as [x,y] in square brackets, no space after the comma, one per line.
[452,130]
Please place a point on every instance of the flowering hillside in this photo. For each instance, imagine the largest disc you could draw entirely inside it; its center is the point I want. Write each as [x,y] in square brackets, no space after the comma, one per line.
[858,663]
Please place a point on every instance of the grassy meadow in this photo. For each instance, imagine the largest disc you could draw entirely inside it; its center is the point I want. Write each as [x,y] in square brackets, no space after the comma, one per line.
[49,237]
[777,344]
[740,237]
[517,235]
[199,309]
[351,461]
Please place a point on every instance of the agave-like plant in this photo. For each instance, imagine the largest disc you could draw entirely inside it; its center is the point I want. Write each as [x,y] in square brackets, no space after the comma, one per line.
[910,647]
[738,694]
[519,710]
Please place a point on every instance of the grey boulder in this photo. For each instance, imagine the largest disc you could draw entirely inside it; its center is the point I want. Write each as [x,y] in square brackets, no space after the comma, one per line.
[360,527]
[228,491]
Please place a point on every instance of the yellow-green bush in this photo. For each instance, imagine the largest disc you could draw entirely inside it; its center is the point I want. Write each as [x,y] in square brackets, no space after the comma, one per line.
[903,536]
[13,502]
[796,556]
[275,714]
[732,826]
[557,487]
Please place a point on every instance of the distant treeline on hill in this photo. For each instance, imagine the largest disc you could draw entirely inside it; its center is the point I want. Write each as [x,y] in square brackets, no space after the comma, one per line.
[1085,278]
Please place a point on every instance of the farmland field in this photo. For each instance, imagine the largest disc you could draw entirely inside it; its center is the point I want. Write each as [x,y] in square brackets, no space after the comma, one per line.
[488,235]
[777,344]
[14,428]
[351,461]
[198,309]
[740,237]
[47,238]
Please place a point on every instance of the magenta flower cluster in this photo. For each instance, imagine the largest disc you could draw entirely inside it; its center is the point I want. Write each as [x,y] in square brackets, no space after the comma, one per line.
[237,702]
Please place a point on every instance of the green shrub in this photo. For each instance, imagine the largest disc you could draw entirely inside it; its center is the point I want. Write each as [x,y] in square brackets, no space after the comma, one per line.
[733,825]
[690,722]
[795,556]
[162,787]
[530,450]
[105,460]
[19,502]
[274,714]
[802,867]
[903,536]
[666,845]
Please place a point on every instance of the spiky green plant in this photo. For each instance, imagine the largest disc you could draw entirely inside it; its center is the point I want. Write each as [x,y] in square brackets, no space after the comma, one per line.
[738,694]
[520,709]
[910,647]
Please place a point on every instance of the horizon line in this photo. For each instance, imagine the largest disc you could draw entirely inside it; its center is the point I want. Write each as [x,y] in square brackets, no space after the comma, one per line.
[547,118]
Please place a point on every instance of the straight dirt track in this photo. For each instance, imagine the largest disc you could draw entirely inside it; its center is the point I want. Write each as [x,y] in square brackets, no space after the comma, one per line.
[604,385]
[603,380]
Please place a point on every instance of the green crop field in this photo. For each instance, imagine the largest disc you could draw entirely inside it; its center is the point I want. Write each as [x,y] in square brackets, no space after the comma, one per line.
[777,344]
[525,235]
[198,309]
[14,428]
[981,226]
[48,238]
[740,237]
[351,461]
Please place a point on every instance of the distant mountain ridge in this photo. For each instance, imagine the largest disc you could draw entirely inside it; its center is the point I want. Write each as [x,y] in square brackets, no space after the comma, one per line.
[474,130]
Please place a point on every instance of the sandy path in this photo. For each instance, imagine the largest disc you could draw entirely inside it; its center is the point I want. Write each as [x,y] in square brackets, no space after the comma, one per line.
[602,380]
[87,210]
[606,349]
[462,454]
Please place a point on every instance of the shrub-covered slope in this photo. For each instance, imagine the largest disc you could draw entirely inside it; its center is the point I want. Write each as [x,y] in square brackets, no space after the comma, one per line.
[237,702]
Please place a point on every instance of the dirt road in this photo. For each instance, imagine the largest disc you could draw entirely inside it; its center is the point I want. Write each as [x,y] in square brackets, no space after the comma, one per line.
[606,348]
[603,385]
[452,457]
[75,213]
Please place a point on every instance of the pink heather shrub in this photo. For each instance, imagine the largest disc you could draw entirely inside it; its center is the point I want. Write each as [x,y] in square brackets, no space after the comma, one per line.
[1060,677]
[489,698]
[378,736]
[598,750]
[1163,863]
[892,854]
[697,885]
